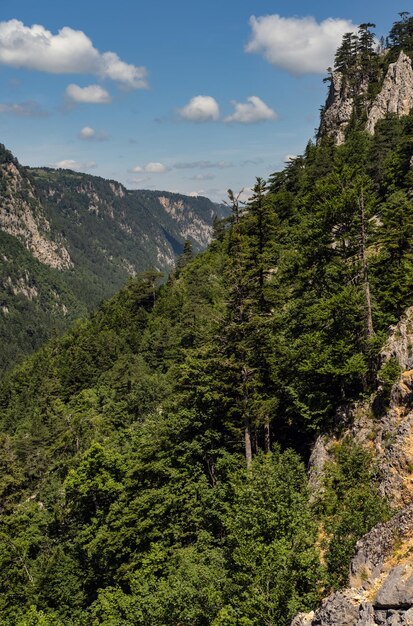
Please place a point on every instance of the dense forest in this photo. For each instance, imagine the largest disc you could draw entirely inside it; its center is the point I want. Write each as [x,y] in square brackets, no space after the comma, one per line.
[153,459]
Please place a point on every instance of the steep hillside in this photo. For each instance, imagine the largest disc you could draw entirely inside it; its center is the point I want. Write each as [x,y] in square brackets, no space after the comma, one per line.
[153,459]
[69,240]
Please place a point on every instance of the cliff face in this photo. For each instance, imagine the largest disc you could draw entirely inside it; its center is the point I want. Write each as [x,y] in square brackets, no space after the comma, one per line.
[23,217]
[395,97]
[338,110]
[380,591]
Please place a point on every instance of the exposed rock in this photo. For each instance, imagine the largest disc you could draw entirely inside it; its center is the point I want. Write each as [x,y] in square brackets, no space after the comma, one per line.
[303,619]
[318,459]
[21,216]
[400,341]
[396,95]
[378,545]
[22,286]
[389,605]
[397,590]
[338,110]
[339,609]
[192,226]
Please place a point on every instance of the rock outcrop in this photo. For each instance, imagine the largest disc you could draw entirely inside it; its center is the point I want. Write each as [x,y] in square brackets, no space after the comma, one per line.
[338,110]
[381,579]
[22,216]
[395,97]
[380,591]
[389,434]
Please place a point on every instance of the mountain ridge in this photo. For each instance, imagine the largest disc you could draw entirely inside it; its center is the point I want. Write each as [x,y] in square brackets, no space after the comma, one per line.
[89,234]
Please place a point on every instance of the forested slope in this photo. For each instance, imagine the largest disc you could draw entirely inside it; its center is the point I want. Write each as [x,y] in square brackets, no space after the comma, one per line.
[153,459]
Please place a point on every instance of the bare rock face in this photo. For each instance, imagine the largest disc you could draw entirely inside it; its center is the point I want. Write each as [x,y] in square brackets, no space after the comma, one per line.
[376,548]
[303,619]
[338,110]
[397,590]
[400,342]
[396,95]
[21,216]
[316,467]
[386,597]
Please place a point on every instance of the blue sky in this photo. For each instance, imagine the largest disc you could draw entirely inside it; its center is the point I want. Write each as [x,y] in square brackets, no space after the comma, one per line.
[186,96]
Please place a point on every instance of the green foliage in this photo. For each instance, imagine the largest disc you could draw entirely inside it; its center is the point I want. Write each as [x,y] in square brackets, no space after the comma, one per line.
[152,459]
[271,539]
[350,506]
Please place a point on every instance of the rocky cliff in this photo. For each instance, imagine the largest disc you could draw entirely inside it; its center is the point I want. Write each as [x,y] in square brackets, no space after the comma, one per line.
[395,97]
[380,590]
[23,217]
[381,581]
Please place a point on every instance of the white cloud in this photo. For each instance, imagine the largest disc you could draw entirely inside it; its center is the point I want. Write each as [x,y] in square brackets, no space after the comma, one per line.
[71,164]
[90,134]
[69,52]
[299,45]
[23,109]
[250,112]
[155,168]
[92,93]
[200,109]
[289,157]
[150,168]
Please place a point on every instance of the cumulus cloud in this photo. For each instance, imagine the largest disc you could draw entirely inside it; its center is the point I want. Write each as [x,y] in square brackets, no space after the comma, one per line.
[250,112]
[200,109]
[299,45]
[71,164]
[69,52]
[150,168]
[90,134]
[203,165]
[155,168]
[94,94]
[23,109]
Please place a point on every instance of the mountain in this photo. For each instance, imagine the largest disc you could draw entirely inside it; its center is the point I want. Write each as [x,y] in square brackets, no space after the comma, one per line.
[69,240]
[368,84]
[232,447]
